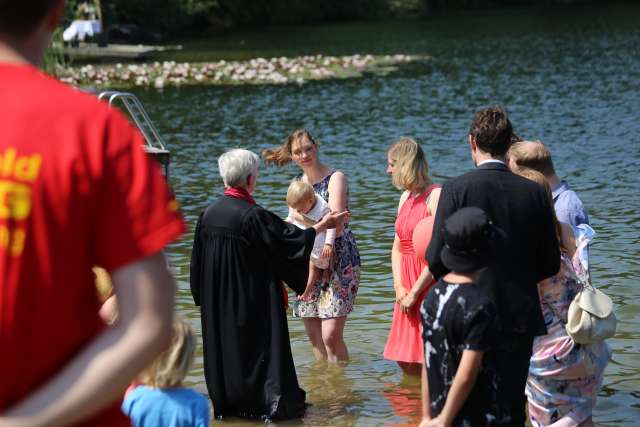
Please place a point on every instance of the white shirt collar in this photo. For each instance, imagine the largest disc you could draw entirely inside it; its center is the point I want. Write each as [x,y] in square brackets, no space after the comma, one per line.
[491,161]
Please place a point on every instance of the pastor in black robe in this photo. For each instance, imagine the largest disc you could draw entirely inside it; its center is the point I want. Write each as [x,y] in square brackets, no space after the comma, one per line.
[241,252]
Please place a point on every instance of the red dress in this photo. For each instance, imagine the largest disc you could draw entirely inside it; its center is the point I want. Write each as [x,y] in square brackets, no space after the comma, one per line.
[405,338]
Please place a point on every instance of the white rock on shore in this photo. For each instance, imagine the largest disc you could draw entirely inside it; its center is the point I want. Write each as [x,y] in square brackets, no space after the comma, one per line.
[280,70]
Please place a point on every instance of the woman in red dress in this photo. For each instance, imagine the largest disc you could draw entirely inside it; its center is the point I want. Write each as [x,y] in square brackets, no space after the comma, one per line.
[409,170]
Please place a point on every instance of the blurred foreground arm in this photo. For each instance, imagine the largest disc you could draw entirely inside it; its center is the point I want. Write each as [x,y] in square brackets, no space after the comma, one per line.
[101,371]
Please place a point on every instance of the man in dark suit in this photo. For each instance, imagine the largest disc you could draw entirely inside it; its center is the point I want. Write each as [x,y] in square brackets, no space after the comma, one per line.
[529,253]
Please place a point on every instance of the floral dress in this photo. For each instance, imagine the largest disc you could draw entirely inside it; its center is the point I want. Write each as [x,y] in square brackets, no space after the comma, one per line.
[335,292]
[564,376]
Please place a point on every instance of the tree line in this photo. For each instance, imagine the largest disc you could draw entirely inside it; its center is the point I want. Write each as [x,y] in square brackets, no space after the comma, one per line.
[191,17]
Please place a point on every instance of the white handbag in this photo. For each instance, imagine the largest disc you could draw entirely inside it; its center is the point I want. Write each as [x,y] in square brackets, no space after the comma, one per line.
[591,317]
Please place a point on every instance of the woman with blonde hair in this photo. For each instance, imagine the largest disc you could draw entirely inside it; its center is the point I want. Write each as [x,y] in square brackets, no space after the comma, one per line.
[564,376]
[325,311]
[409,170]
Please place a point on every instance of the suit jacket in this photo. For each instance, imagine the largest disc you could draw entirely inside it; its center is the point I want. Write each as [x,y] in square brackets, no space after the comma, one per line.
[530,252]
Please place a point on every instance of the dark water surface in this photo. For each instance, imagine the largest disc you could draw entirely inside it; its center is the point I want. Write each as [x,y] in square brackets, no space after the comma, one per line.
[570,77]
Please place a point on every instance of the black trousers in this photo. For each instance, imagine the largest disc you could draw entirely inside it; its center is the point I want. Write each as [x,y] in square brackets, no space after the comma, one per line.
[512,357]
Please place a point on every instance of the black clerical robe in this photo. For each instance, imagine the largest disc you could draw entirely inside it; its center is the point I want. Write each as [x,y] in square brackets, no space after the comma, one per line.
[241,252]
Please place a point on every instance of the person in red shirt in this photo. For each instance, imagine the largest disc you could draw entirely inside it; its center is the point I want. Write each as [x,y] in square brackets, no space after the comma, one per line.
[76,190]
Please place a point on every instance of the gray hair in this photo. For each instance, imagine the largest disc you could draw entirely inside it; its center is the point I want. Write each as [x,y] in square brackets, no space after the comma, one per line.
[236,165]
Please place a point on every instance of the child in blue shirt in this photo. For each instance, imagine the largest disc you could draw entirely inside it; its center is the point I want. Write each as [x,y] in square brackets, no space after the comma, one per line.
[159,400]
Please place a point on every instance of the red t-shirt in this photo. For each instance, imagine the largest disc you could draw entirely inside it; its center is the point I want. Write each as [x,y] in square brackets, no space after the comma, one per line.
[76,190]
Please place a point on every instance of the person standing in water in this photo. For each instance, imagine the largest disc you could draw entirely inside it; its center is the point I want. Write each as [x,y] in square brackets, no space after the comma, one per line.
[241,253]
[409,170]
[325,311]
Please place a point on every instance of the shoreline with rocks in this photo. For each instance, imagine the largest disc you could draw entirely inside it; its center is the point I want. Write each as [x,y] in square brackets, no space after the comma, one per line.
[280,70]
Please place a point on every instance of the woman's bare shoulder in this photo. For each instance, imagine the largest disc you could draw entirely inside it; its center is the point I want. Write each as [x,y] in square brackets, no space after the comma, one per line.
[403,198]
[337,175]
[434,194]
[433,199]
[337,179]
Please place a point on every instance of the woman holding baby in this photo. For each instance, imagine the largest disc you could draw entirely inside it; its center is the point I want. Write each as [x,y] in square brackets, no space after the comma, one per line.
[325,307]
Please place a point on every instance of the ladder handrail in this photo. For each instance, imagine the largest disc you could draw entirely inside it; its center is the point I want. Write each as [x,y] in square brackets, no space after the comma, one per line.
[138,114]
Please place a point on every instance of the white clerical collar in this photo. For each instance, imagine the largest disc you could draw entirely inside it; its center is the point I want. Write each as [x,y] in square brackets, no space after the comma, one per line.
[491,161]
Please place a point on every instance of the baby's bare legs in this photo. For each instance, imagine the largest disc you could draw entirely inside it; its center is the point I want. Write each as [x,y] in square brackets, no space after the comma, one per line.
[314,274]
[311,324]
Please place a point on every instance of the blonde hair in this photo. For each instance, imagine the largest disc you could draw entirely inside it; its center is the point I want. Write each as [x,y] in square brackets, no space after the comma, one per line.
[172,366]
[538,178]
[109,308]
[410,169]
[298,192]
[103,283]
[533,155]
[281,155]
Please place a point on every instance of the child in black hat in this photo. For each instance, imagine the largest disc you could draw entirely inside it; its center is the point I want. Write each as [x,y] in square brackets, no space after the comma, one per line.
[459,383]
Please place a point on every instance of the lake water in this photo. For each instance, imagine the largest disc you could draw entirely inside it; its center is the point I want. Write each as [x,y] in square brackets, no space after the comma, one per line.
[570,77]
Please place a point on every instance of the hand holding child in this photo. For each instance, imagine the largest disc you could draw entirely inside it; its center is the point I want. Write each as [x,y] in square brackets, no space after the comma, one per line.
[301,218]
[308,292]
[331,220]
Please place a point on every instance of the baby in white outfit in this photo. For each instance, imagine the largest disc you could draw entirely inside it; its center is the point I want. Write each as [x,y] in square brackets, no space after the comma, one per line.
[305,209]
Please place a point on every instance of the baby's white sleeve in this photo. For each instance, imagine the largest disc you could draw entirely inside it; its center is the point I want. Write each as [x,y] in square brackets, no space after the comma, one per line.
[330,236]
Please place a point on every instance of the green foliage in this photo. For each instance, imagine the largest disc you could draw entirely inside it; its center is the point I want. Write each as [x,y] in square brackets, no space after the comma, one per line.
[179,16]
[168,16]
[252,12]
[184,17]
[70,11]
[53,59]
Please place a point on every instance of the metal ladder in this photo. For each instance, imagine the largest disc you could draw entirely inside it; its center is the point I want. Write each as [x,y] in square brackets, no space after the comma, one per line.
[154,144]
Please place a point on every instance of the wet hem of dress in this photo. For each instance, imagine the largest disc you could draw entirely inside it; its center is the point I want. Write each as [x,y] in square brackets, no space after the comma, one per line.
[319,317]
[418,362]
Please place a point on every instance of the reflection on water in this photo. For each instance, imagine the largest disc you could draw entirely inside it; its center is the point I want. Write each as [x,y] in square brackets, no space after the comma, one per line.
[405,400]
[331,394]
[572,81]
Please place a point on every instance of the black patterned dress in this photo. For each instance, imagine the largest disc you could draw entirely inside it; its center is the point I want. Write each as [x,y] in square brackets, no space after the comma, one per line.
[335,293]
[458,317]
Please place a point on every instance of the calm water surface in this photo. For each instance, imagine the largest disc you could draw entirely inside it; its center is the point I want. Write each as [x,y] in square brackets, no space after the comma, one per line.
[568,77]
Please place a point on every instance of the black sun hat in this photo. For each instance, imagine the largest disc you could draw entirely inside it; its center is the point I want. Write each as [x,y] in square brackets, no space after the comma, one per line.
[470,240]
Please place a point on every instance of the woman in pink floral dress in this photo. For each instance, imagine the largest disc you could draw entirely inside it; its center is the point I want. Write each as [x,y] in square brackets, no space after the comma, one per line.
[564,376]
